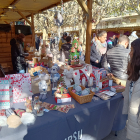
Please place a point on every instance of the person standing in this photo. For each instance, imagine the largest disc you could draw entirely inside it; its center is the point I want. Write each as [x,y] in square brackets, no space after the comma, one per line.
[109,43]
[98,49]
[37,42]
[62,40]
[117,58]
[17,54]
[132,93]
[65,49]
[132,37]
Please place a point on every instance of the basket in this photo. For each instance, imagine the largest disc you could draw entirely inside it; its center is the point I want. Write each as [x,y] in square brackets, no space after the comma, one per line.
[81,99]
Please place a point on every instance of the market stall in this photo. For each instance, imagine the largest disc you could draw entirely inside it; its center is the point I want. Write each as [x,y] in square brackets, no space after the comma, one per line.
[72,98]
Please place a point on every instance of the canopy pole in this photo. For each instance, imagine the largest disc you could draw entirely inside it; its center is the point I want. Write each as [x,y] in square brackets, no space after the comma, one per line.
[88,31]
[33,30]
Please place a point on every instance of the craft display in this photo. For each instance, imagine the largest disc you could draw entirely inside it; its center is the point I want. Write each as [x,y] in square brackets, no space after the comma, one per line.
[117,88]
[16,88]
[75,53]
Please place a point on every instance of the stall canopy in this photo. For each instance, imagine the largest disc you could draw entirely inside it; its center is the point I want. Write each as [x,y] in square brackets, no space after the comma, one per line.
[14,10]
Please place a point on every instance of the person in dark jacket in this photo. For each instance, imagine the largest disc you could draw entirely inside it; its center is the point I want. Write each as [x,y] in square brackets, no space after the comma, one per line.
[109,43]
[114,40]
[117,58]
[17,54]
[66,48]
[98,49]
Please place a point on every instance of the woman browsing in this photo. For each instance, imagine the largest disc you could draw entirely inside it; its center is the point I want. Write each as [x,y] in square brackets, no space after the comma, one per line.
[132,93]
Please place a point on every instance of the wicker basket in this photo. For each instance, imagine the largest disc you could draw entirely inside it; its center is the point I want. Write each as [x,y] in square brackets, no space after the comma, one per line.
[81,99]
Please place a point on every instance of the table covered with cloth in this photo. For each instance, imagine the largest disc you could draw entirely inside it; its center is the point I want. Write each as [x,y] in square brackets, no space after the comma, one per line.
[90,121]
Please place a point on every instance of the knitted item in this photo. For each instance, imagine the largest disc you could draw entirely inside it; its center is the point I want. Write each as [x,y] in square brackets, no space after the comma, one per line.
[19,112]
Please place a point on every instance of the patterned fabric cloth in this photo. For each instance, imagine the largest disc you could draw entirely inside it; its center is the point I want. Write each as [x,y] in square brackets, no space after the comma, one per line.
[4,93]
[131,89]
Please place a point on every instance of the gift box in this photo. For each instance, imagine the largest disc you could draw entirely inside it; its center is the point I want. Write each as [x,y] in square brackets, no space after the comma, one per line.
[20,87]
[117,88]
[63,99]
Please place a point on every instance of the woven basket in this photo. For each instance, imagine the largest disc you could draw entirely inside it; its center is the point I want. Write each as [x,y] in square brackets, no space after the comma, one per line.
[81,99]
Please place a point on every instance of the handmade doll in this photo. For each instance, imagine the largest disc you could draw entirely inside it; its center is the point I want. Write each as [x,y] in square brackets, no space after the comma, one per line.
[43,86]
[54,77]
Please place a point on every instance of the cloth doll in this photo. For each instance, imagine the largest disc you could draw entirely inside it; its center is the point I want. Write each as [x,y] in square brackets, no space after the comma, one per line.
[54,77]
[43,86]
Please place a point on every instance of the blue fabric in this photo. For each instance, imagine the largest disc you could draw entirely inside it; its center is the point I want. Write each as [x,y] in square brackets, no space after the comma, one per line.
[95,120]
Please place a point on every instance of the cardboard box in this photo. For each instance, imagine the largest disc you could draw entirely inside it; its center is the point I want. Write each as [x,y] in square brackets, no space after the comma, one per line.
[65,98]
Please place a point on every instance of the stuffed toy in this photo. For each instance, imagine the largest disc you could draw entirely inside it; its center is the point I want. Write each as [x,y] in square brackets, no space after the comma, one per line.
[28,105]
[68,75]
[43,86]
[54,77]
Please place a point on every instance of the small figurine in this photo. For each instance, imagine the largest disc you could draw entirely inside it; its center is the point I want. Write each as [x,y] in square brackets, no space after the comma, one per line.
[54,77]
[72,49]
[39,108]
[75,45]
[43,86]
[28,105]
